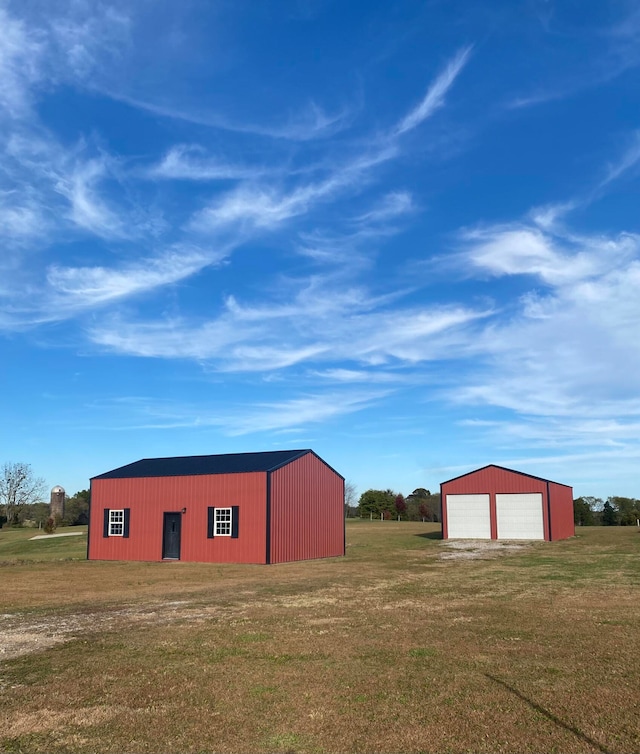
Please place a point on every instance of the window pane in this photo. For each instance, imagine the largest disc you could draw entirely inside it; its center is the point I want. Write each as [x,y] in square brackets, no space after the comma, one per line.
[116,523]
[223,522]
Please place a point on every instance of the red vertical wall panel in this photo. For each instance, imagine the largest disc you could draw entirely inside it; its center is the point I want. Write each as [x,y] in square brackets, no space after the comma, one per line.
[494,480]
[148,498]
[307,511]
[562,525]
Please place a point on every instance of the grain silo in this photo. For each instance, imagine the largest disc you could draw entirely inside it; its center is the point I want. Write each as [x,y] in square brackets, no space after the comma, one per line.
[56,504]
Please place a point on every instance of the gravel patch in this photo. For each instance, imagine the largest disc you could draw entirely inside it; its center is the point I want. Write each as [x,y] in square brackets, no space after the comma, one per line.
[479,549]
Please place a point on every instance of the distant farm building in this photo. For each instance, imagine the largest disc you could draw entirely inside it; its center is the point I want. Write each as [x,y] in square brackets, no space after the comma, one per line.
[270,507]
[498,503]
[56,502]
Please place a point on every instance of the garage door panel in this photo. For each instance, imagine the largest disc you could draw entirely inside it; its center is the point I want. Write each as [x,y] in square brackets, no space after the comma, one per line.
[468,517]
[519,516]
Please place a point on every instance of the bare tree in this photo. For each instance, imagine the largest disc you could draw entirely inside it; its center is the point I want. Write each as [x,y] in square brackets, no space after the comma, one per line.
[19,487]
[350,491]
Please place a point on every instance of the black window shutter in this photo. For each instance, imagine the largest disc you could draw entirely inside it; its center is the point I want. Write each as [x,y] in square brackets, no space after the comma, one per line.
[210,523]
[125,528]
[105,527]
[235,509]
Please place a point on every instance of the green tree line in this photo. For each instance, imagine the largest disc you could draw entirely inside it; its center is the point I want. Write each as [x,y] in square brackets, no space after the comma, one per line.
[76,512]
[614,511]
[420,505]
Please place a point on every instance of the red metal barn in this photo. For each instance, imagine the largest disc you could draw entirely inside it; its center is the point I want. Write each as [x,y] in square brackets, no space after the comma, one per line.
[498,503]
[271,507]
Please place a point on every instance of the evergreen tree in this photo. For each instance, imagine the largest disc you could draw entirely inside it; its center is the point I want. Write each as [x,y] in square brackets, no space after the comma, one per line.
[609,515]
[582,512]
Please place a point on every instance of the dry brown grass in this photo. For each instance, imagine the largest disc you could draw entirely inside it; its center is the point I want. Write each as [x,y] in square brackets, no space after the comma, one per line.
[392,649]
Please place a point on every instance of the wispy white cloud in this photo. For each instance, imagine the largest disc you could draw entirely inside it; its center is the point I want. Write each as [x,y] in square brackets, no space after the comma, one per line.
[88,210]
[190,162]
[608,53]
[571,87]
[302,411]
[85,38]
[564,431]
[22,218]
[549,216]
[310,301]
[309,329]
[435,96]
[272,417]
[84,190]
[415,335]
[364,376]
[308,124]
[351,250]
[332,249]
[81,287]
[259,358]
[265,207]
[261,208]
[20,53]
[557,354]
[556,259]
[390,207]
[44,50]
[69,291]
[628,161]
[174,338]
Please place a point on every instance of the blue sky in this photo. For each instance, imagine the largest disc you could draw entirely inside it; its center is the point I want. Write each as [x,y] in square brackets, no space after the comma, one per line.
[406,235]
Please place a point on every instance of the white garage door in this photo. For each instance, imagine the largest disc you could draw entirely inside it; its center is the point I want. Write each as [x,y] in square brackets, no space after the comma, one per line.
[520,516]
[468,517]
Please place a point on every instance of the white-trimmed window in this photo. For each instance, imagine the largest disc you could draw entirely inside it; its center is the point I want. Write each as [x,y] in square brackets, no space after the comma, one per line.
[116,523]
[222,522]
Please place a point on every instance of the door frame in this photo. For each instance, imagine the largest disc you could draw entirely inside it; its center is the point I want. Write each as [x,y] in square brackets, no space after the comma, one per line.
[178,515]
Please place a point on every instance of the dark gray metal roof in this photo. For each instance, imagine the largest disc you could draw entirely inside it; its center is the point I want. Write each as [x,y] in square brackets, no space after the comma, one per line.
[228,463]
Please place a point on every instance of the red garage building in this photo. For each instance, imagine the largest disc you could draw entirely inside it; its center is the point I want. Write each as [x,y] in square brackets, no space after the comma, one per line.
[498,503]
[270,507]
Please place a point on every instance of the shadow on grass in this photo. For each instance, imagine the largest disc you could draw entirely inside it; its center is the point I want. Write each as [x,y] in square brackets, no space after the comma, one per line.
[550,716]
[430,535]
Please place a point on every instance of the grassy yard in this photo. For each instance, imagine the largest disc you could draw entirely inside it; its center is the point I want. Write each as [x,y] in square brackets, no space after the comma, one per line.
[18,545]
[405,645]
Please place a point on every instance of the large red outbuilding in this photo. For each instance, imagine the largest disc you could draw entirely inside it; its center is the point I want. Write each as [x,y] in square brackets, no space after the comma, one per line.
[498,503]
[270,507]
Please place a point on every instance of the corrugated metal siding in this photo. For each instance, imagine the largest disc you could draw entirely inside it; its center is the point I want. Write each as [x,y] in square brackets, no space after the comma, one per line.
[494,480]
[307,511]
[562,525]
[150,498]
